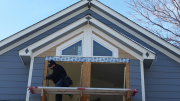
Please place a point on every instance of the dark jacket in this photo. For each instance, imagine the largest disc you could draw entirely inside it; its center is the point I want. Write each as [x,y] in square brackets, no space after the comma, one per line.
[58,71]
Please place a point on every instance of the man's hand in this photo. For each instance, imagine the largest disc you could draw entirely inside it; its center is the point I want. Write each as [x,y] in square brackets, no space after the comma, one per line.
[45,78]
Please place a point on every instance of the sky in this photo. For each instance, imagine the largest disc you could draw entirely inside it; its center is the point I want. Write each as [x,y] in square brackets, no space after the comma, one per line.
[16,15]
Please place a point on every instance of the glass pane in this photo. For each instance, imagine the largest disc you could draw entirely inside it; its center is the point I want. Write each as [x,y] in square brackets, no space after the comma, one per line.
[99,50]
[75,49]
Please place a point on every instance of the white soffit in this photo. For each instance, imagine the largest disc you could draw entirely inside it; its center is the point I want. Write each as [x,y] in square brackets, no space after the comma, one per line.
[132,24]
[41,23]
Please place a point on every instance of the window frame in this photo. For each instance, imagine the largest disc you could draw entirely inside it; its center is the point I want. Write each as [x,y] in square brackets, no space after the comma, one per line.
[69,43]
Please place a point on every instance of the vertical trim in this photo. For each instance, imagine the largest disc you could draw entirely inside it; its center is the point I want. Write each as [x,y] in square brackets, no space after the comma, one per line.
[142,80]
[87,42]
[29,78]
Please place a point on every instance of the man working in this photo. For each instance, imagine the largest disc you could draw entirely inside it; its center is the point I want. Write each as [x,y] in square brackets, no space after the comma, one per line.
[57,77]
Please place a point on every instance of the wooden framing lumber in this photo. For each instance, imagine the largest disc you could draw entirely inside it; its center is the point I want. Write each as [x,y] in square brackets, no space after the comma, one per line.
[43,95]
[128,96]
[86,79]
[128,81]
[45,73]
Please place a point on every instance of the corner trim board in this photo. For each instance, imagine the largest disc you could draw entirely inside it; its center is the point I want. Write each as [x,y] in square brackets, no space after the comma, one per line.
[29,78]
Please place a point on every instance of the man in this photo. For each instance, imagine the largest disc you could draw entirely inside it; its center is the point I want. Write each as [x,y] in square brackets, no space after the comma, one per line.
[56,76]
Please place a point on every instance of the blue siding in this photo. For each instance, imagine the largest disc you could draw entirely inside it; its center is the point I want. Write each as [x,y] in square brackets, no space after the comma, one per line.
[13,77]
[135,79]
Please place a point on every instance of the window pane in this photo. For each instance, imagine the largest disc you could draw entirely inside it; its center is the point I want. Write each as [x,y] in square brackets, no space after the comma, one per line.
[75,49]
[99,50]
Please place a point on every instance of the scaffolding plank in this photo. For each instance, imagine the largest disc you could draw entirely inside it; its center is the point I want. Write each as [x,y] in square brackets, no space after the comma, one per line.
[85,91]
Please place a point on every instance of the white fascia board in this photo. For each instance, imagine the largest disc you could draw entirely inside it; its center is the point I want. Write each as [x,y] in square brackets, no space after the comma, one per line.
[132,24]
[63,12]
[137,35]
[123,38]
[43,30]
[56,42]
[118,44]
[54,35]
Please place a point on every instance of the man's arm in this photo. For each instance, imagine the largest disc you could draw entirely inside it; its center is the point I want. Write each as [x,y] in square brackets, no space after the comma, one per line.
[54,74]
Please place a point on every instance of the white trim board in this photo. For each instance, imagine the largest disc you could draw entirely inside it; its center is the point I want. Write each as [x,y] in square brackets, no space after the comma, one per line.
[43,22]
[41,31]
[29,78]
[132,24]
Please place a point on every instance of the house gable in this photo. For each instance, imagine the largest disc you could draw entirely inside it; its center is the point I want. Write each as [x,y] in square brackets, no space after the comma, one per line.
[138,49]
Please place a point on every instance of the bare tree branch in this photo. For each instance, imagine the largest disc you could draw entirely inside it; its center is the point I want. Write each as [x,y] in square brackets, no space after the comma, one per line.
[161,17]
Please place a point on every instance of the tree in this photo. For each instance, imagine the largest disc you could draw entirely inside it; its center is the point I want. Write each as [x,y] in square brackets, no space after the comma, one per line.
[162,17]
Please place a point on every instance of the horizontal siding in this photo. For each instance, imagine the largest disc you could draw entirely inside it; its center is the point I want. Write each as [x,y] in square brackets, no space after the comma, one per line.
[163,88]
[10,59]
[162,75]
[11,53]
[135,79]
[14,65]
[12,84]
[13,76]
[17,91]
[15,97]
[161,99]
[11,71]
